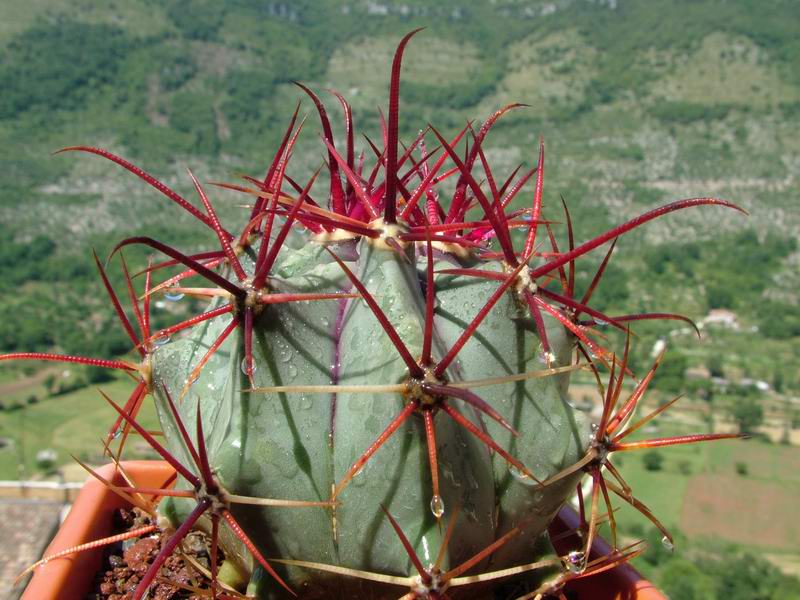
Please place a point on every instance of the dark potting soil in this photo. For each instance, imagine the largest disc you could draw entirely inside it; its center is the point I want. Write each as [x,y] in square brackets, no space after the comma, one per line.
[125,563]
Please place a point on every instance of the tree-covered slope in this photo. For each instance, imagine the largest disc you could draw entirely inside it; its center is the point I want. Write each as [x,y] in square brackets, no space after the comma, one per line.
[639,102]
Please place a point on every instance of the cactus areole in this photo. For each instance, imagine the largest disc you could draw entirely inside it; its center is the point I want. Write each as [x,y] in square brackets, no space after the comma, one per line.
[374,402]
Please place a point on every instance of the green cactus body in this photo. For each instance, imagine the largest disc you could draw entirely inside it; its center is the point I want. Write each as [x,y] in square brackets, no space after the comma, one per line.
[299,445]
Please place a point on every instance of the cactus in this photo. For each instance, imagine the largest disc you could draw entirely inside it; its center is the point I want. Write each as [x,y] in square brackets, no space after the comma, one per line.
[376,395]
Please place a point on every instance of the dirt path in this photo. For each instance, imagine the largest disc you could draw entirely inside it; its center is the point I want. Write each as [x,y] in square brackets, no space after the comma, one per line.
[18,385]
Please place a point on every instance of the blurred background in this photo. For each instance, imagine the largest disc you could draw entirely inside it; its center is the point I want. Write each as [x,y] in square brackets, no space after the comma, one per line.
[639,103]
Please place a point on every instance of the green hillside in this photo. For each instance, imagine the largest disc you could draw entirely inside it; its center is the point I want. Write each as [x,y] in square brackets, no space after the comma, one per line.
[639,103]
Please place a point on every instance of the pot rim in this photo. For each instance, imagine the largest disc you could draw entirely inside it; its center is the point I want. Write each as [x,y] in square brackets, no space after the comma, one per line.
[90,518]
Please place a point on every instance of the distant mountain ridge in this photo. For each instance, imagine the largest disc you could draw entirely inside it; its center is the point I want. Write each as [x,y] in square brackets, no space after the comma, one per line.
[639,102]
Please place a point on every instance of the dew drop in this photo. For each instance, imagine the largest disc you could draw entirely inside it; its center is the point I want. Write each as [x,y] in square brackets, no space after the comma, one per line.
[575,561]
[291,370]
[253,366]
[437,506]
[173,297]
[665,541]
[161,340]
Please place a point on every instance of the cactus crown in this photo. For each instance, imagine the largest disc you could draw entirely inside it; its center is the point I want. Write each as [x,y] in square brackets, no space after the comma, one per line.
[375,395]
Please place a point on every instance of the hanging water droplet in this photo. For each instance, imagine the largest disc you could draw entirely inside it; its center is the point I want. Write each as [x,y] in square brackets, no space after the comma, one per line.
[437,506]
[575,561]
[667,543]
[161,340]
[173,297]
[245,365]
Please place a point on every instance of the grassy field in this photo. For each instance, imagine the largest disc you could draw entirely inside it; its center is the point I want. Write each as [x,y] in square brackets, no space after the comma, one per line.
[716,493]
[73,423]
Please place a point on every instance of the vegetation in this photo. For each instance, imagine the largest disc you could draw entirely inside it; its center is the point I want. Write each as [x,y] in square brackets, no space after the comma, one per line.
[748,414]
[207,84]
[652,460]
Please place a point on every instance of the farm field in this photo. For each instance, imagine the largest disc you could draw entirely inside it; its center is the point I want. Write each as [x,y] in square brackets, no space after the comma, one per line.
[727,492]
[74,423]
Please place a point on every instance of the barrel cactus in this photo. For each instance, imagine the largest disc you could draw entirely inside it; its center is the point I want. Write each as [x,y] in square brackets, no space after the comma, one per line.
[376,394]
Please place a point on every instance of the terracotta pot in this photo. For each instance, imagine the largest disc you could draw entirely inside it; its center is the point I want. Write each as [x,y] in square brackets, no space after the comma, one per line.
[91,516]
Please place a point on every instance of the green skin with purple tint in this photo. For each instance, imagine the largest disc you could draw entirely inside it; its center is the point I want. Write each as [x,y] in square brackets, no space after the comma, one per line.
[298,445]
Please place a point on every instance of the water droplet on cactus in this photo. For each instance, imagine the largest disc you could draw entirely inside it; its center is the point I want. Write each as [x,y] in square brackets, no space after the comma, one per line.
[161,340]
[523,478]
[547,358]
[437,506]
[665,541]
[252,366]
[575,561]
[173,297]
